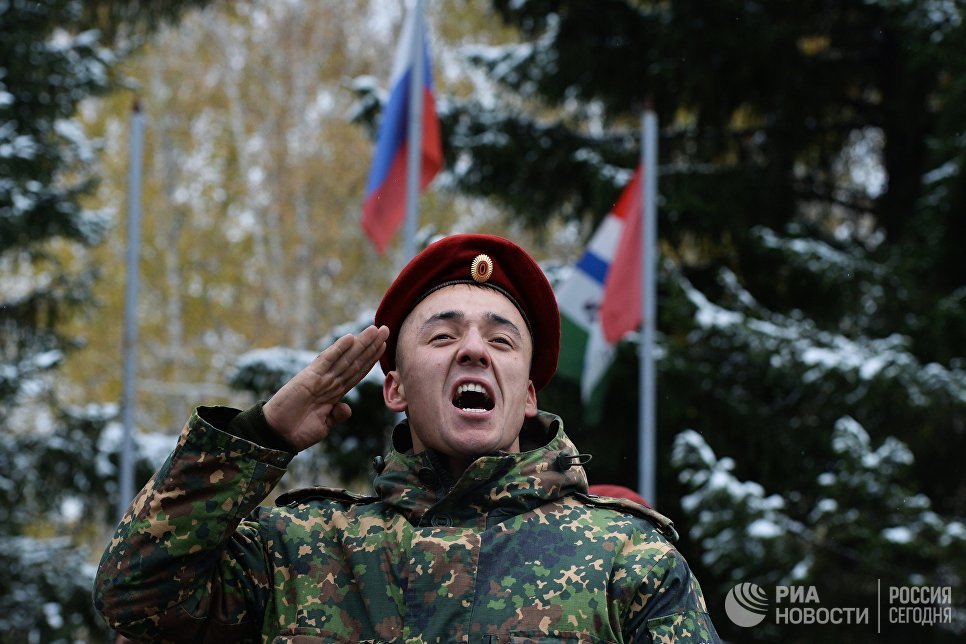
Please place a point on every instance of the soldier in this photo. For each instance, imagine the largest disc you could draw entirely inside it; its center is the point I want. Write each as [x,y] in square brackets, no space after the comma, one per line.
[480,528]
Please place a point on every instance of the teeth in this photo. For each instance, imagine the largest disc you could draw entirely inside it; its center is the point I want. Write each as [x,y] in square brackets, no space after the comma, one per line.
[472,388]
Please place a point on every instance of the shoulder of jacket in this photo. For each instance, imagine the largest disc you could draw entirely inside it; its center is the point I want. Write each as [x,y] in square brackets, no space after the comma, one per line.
[303,495]
[663,524]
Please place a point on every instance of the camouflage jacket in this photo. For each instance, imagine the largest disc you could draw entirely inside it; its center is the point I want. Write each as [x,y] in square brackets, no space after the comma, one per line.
[514,551]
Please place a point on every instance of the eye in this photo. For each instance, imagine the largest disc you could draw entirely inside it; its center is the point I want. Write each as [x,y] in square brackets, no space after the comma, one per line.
[440,337]
[502,340]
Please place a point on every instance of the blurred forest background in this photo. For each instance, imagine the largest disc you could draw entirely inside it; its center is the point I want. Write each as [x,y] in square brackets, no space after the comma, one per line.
[812,316]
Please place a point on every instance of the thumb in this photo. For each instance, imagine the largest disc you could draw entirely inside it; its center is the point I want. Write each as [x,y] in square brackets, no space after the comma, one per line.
[340,413]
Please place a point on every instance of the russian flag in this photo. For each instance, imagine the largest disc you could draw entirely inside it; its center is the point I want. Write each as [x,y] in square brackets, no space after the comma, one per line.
[384,208]
[585,350]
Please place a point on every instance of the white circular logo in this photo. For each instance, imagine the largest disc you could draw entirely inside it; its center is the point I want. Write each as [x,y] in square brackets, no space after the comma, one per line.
[746,604]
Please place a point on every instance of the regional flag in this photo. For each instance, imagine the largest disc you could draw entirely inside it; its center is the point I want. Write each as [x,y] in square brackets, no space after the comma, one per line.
[620,307]
[384,208]
[585,351]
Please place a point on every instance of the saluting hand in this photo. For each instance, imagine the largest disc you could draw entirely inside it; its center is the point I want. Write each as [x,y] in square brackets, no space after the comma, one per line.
[310,404]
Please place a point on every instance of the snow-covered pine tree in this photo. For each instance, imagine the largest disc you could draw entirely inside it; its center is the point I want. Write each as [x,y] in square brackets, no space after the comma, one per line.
[56,471]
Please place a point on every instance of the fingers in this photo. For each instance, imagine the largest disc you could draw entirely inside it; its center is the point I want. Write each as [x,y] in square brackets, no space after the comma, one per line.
[308,405]
[350,358]
[358,353]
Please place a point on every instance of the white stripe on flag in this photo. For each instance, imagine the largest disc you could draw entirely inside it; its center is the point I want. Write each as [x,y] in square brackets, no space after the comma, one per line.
[579,301]
[604,242]
[597,358]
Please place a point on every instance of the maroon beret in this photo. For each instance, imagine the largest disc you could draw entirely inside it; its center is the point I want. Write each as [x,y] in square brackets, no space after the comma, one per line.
[617,491]
[489,261]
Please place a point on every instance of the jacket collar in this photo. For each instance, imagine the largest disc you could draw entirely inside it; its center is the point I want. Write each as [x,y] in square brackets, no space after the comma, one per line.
[511,483]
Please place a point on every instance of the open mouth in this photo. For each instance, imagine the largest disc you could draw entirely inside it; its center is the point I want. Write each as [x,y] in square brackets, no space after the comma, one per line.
[472,397]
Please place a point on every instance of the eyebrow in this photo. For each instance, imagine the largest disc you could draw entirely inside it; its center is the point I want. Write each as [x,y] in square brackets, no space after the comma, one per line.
[446,316]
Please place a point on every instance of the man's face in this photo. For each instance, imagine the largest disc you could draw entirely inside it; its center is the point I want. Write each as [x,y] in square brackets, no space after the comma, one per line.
[462,373]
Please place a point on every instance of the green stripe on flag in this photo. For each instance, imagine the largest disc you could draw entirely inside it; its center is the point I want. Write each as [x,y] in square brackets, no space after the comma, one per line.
[573,346]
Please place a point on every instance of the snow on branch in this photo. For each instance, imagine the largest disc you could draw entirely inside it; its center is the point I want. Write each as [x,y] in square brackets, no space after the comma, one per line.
[864,509]
[793,341]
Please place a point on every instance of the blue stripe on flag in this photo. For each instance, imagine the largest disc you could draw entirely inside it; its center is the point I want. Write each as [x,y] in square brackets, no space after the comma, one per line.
[393,130]
[593,266]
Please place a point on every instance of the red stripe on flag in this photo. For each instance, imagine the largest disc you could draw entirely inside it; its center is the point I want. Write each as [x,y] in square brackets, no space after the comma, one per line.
[385,209]
[620,307]
[432,161]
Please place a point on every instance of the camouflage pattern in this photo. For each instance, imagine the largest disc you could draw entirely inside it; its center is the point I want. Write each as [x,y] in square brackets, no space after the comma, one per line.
[515,551]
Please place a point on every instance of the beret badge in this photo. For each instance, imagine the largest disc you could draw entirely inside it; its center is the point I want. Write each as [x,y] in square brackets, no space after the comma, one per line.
[482,268]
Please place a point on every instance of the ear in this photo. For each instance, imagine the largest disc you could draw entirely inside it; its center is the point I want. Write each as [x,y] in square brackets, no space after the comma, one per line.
[393,393]
[531,409]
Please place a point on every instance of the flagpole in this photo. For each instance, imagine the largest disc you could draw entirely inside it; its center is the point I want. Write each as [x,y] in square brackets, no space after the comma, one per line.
[647,432]
[129,372]
[415,136]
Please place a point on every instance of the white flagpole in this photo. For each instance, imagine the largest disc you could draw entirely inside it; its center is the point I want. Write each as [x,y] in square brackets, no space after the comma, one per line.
[415,136]
[129,370]
[647,433]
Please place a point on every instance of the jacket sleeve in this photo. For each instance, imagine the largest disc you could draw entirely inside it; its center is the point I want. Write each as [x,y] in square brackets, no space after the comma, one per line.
[669,606]
[187,561]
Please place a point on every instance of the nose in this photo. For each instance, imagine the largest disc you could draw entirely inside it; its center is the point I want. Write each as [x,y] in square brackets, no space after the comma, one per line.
[473,350]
